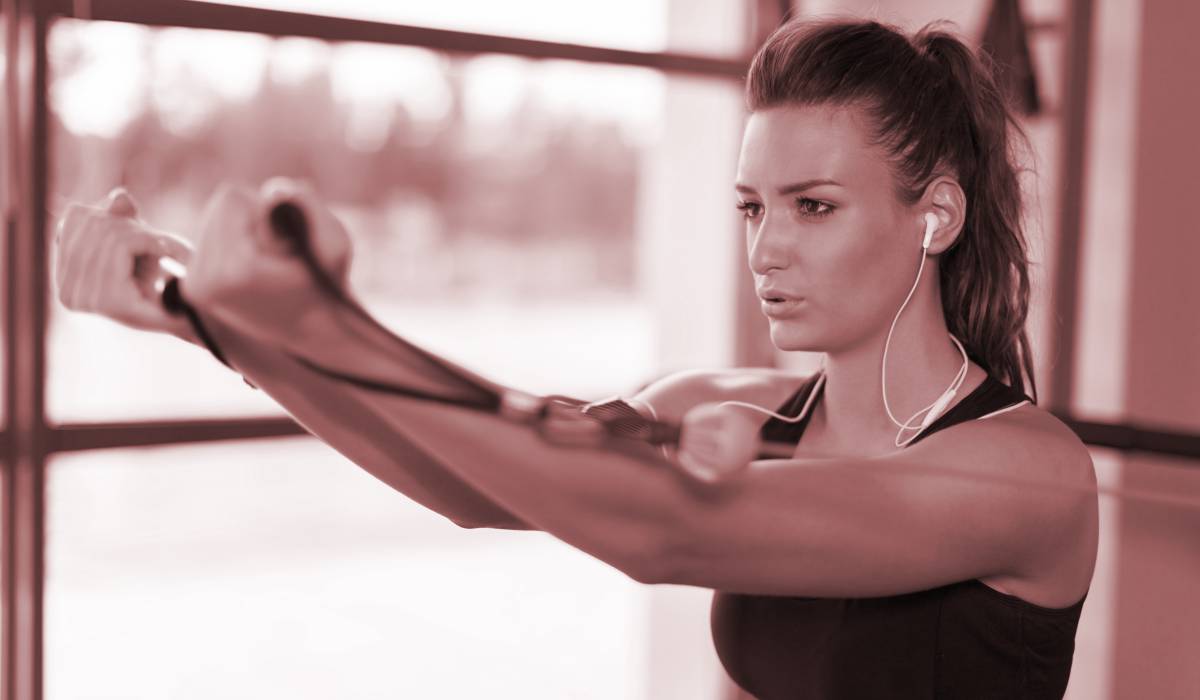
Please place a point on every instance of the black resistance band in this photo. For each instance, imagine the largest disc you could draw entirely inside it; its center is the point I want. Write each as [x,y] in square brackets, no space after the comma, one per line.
[557,418]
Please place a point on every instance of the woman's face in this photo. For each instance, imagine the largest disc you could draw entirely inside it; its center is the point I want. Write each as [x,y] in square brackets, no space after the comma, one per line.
[824,229]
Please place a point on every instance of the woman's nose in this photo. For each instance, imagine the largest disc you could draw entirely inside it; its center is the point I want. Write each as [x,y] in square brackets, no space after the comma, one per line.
[768,248]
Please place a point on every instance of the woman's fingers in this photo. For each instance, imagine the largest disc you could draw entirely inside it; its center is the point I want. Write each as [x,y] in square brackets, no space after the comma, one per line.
[96,263]
[121,203]
[717,441]
[107,260]
[74,250]
[700,469]
[245,275]
[225,250]
[142,305]
[173,247]
[96,277]
[328,237]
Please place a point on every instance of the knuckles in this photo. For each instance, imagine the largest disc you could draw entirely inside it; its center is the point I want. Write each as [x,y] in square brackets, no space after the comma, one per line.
[93,251]
[96,249]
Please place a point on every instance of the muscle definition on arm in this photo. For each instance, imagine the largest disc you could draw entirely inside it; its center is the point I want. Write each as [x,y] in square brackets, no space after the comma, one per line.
[620,502]
[357,427]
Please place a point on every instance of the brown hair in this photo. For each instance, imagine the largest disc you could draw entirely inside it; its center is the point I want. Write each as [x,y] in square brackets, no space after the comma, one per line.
[936,110]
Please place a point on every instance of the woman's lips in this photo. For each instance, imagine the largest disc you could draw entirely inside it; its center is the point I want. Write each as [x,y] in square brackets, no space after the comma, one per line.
[777,308]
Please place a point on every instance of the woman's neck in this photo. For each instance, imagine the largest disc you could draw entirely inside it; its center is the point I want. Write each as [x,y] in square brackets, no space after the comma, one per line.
[921,366]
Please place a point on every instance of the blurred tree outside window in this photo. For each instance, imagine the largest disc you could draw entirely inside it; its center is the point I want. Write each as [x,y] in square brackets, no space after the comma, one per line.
[492,199]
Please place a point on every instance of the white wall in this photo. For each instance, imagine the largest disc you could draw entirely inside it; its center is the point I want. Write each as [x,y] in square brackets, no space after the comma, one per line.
[687,253]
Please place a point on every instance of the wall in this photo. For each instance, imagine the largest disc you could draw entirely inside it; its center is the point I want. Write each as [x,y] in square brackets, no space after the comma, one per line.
[1157,620]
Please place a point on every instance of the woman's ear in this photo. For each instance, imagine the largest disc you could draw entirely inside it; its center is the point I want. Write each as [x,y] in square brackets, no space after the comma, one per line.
[946,200]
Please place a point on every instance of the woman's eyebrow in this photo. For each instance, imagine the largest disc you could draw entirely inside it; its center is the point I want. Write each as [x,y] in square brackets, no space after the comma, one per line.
[793,187]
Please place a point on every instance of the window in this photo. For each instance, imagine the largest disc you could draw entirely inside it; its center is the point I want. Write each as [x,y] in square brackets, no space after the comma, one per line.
[282,570]
[494,200]
[511,209]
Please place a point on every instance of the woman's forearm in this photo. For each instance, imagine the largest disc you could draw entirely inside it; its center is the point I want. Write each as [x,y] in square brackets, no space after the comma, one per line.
[620,502]
[354,425]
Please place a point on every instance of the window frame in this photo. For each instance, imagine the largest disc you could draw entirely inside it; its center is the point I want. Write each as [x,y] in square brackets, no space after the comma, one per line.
[29,439]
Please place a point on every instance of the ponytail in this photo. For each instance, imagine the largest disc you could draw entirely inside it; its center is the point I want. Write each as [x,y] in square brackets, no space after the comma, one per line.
[985,278]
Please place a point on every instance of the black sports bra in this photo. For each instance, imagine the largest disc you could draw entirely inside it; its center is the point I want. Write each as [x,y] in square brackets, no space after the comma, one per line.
[962,640]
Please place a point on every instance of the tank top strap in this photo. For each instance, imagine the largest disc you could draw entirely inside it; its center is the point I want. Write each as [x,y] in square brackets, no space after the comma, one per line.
[775,430]
[990,398]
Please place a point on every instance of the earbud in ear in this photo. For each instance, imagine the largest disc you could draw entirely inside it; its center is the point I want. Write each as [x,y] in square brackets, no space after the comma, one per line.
[931,224]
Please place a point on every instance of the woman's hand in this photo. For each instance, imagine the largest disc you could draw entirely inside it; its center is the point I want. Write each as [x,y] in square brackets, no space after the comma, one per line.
[107,262]
[246,275]
[717,441]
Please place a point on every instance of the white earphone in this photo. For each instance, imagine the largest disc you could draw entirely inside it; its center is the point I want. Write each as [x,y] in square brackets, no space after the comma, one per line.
[931,222]
[935,409]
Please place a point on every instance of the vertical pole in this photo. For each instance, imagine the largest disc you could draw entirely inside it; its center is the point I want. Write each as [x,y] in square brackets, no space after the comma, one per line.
[1076,74]
[24,361]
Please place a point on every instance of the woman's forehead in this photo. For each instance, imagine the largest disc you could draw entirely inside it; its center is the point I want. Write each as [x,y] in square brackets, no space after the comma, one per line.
[795,143]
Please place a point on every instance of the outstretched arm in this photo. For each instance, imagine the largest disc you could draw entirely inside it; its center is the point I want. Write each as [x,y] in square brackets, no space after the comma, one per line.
[104,259]
[358,428]
[618,505]
[622,504]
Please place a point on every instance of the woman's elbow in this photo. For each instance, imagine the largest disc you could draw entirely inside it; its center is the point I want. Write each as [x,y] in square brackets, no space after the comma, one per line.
[506,524]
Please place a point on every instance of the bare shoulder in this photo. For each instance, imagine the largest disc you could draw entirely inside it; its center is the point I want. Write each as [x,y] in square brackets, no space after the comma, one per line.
[1034,440]
[673,395]
[1026,443]
[1057,525]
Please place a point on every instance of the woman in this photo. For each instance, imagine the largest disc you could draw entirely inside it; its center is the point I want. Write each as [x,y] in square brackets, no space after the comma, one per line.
[965,604]
[887,557]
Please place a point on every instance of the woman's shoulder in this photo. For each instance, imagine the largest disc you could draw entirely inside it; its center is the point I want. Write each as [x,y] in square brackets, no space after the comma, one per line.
[673,395]
[1027,444]
[1030,448]
[1024,442]
[1032,426]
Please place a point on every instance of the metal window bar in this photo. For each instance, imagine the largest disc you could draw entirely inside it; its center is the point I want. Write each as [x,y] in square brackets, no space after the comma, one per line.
[92,436]
[28,438]
[1077,68]
[25,312]
[203,15]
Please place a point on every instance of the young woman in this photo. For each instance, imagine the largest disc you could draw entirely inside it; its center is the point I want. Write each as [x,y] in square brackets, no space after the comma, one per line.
[900,552]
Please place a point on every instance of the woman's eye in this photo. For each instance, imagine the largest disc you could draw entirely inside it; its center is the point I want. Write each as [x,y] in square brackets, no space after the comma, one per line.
[812,207]
[748,209]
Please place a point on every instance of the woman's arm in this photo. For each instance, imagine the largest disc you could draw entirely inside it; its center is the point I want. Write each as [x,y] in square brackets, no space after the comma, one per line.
[251,272]
[357,428]
[621,504]
[105,263]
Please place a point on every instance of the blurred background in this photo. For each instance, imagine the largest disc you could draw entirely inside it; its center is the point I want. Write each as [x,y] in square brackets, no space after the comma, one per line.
[541,191]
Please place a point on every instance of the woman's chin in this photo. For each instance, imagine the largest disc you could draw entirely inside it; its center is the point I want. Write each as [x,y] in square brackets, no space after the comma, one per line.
[792,339]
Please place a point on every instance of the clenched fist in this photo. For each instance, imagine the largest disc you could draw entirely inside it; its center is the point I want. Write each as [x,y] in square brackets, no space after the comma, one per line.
[107,262]
[246,274]
[717,441]
[111,263]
